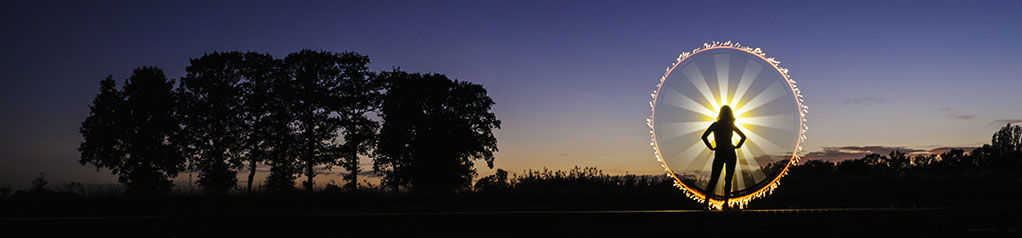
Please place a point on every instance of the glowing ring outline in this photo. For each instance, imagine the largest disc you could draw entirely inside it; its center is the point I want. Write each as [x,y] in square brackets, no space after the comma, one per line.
[744,200]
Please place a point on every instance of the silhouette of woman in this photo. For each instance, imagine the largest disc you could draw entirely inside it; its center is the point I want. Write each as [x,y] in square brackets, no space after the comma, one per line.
[724,153]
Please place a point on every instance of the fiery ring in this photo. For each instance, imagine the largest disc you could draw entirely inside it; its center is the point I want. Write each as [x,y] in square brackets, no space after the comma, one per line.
[743,200]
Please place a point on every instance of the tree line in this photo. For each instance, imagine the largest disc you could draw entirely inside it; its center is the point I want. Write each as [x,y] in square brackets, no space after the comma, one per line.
[234,111]
[985,176]
[1001,159]
[991,170]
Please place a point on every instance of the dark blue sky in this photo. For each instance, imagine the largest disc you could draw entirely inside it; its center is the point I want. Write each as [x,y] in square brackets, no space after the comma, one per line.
[571,79]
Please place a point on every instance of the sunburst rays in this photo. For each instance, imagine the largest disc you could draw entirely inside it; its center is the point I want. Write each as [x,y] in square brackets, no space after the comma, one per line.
[752,92]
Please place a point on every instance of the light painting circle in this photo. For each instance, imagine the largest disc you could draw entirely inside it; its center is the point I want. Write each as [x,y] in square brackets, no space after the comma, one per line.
[767,105]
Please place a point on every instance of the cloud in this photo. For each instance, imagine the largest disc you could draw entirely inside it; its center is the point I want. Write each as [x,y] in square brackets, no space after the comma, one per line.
[865,100]
[941,150]
[1004,122]
[852,152]
[561,154]
[841,153]
[954,113]
[962,116]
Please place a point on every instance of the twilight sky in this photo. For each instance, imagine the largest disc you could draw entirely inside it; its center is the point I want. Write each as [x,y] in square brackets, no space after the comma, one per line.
[571,79]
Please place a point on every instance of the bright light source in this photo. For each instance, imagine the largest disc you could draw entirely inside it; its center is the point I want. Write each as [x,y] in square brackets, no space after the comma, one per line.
[727,74]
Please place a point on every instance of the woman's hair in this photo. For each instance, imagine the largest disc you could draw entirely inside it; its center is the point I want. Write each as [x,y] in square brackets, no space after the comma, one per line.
[726,115]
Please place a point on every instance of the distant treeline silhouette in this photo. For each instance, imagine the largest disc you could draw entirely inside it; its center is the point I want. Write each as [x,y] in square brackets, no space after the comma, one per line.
[990,175]
[573,182]
[237,110]
[953,177]
[1002,158]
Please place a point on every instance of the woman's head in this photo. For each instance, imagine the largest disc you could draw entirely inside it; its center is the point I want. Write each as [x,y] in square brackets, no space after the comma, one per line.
[726,115]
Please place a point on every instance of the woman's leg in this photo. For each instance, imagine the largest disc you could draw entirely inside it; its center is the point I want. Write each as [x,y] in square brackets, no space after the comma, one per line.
[729,175]
[718,164]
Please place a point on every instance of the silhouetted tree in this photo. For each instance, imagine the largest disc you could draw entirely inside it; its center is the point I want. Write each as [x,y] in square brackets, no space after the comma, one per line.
[5,190]
[875,160]
[129,132]
[267,119]
[104,142]
[1005,148]
[213,118]
[1008,139]
[496,182]
[898,161]
[39,184]
[322,102]
[857,168]
[358,94]
[283,172]
[812,171]
[926,160]
[433,130]
[956,159]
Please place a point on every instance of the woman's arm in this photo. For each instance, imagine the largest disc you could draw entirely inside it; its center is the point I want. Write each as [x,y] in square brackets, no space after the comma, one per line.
[707,133]
[742,140]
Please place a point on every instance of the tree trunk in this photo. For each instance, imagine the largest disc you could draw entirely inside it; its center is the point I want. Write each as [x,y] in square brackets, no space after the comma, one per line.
[309,174]
[251,174]
[352,177]
[354,180]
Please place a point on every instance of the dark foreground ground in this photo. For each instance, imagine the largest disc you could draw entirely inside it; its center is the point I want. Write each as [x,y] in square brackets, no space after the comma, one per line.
[823,222]
[810,205]
[824,211]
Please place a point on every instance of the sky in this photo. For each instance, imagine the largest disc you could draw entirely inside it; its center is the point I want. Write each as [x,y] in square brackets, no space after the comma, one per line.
[571,80]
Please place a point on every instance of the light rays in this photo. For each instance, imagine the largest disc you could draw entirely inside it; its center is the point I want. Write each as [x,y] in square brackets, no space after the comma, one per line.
[755,104]
[751,72]
[695,151]
[696,77]
[779,121]
[757,173]
[684,102]
[676,129]
[723,64]
[771,93]
[763,143]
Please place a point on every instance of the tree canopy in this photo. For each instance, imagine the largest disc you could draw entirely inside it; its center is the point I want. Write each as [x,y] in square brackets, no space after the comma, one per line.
[434,129]
[211,111]
[309,111]
[129,131]
[324,97]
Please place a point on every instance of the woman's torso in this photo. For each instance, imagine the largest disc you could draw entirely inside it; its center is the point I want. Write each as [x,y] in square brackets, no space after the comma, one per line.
[722,133]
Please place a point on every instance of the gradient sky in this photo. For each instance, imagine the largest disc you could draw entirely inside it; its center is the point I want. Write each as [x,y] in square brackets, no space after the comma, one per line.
[571,79]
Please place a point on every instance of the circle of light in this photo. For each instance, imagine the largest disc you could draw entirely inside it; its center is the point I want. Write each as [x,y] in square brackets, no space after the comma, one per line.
[744,200]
